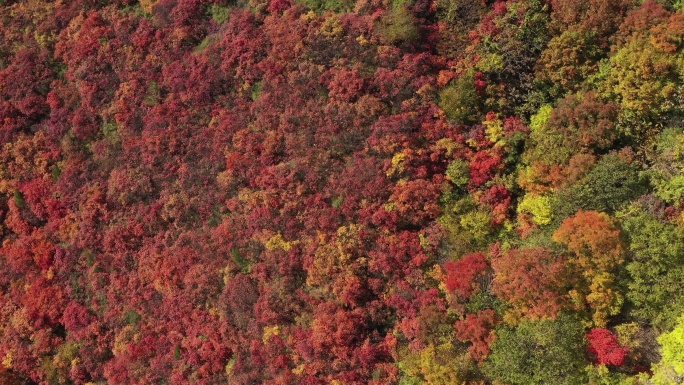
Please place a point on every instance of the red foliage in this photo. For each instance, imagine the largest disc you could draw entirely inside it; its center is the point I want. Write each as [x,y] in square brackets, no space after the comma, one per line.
[605,348]
[513,124]
[602,17]
[417,200]
[483,167]
[25,101]
[75,317]
[462,275]
[478,330]
[499,199]
[192,191]
[480,83]
[531,280]
[643,18]
[44,303]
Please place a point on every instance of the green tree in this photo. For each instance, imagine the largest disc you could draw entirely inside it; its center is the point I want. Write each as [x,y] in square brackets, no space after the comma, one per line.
[436,365]
[459,99]
[539,352]
[667,172]
[569,59]
[610,185]
[656,269]
[398,25]
[670,369]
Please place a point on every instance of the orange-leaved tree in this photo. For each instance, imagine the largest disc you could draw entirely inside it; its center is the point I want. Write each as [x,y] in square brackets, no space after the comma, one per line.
[596,243]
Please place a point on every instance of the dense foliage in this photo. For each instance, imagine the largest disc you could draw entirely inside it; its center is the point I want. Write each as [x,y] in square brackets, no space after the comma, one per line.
[342,192]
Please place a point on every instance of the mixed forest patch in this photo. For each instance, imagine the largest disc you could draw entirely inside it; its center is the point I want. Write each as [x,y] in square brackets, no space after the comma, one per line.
[342,192]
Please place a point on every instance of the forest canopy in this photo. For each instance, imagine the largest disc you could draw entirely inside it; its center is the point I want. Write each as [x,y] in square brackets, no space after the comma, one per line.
[342,192]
